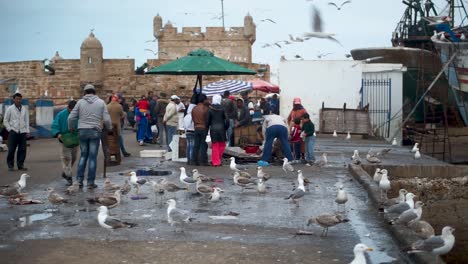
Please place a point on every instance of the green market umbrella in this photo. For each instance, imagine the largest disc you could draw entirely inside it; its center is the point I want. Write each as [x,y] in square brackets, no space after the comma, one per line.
[200,62]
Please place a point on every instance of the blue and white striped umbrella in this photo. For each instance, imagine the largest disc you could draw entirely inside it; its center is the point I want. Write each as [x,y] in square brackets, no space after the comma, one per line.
[233,86]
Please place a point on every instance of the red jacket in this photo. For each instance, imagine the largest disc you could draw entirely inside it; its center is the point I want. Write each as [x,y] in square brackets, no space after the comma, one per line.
[296,133]
[143,104]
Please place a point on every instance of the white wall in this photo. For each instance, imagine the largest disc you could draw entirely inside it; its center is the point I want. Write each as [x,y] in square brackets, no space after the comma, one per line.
[335,83]
[332,82]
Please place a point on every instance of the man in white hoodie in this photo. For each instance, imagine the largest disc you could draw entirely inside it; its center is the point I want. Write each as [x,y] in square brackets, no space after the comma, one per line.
[171,119]
[91,113]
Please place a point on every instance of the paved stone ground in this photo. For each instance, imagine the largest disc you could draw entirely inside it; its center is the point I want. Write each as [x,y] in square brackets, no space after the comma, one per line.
[264,232]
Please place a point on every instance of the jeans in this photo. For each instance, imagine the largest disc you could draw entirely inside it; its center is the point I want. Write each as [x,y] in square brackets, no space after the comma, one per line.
[309,148]
[200,147]
[230,133]
[297,149]
[144,130]
[190,144]
[280,132]
[16,140]
[89,147]
[121,143]
[68,158]
[170,131]
[161,132]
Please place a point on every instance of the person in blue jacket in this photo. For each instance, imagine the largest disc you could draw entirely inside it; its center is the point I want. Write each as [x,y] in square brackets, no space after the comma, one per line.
[69,152]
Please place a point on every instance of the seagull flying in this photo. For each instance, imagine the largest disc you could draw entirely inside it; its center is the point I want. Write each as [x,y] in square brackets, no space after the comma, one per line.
[327,220]
[110,222]
[317,28]
[339,7]
[269,20]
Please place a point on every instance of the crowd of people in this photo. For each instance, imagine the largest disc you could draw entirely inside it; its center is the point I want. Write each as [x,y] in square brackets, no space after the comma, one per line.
[85,123]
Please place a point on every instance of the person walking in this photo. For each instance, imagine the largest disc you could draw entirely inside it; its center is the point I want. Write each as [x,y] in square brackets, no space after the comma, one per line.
[274,127]
[217,123]
[160,111]
[189,134]
[69,142]
[199,116]
[117,116]
[171,120]
[91,112]
[308,129]
[16,122]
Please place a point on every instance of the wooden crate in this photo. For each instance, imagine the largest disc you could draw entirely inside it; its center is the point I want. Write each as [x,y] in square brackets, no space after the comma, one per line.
[246,135]
[344,120]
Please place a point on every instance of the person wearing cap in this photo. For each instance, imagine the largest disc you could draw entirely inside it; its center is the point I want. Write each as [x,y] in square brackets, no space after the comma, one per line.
[171,119]
[242,114]
[117,116]
[16,121]
[91,112]
[68,141]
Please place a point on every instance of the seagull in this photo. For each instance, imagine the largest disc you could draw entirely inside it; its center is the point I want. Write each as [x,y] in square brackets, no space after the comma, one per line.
[415,148]
[382,152]
[203,189]
[327,220]
[339,7]
[372,159]
[54,197]
[16,187]
[171,187]
[176,216]
[359,257]
[462,36]
[197,174]
[394,142]
[399,199]
[436,245]
[356,159]
[417,155]
[184,179]
[297,194]
[422,228]
[215,195]
[384,186]
[323,162]
[334,133]
[401,207]
[261,187]
[110,222]
[341,197]
[74,188]
[158,189]
[242,181]
[377,175]
[108,200]
[262,175]
[287,167]
[234,167]
[269,20]
[136,182]
[410,215]
[317,28]
[126,188]
[278,45]
[298,57]
[110,186]
[322,55]
[348,137]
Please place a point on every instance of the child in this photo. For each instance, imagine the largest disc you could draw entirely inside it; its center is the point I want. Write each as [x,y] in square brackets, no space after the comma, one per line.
[296,139]
[308,130]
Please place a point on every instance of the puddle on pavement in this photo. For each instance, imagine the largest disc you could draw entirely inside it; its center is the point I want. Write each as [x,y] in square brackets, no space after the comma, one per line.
[151,172]
[30,219]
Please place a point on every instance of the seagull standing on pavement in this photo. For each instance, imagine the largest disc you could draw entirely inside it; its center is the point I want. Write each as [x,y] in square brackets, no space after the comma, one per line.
[54,197]
[415,147]
[136,182]
[401,207]
[74,188]
[394,142]
[16,187]
[356,159]
[297,194]
[261,187]
[348,137]
[262,175]
[176,216]
[327,220]
[410,215]
[242,181]
[287,167]
[106,199]
[323,162]
[384,186]
[234,167]
[110,222]
[335,134]
[417,155]
[359,257]
[202,189]
[215,195]
[341,197]
[377,175]
[372,159]
[186,180]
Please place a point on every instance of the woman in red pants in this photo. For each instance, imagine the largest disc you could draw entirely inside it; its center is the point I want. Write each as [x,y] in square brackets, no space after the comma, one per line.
[218,125]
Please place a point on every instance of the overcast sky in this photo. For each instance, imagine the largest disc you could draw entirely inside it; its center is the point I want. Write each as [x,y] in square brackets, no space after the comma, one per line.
[35,29]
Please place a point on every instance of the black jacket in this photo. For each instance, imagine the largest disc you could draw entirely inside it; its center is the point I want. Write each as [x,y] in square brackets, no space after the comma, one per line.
[243,116]
[217,123]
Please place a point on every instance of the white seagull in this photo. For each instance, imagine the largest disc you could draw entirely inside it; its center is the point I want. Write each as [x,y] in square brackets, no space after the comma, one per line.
[234,167]
[341,197]
[436,245]
[287,167]
[215,195]
[297,194]
[261,187]
[136,182]
[377,175]
[317,28]
[348,137]
[401,207]
[186,180]
[415,147]
[394,142]
[417,154]
[176,216]
[341,6]
[335,134]
[409,216]
[262,175]
[359,257]
[16,187]
[399,199]
[110,222]
[323,162]
[384,186]
[356,159]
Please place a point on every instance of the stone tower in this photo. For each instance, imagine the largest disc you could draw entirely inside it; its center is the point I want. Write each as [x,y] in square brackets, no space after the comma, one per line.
[91,62]
[250,28]
[157,26]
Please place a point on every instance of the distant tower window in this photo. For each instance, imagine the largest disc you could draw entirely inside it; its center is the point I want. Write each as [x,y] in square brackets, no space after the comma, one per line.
[90,60]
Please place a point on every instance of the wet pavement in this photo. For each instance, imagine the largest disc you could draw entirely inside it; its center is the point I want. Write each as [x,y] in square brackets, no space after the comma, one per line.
[263,233]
